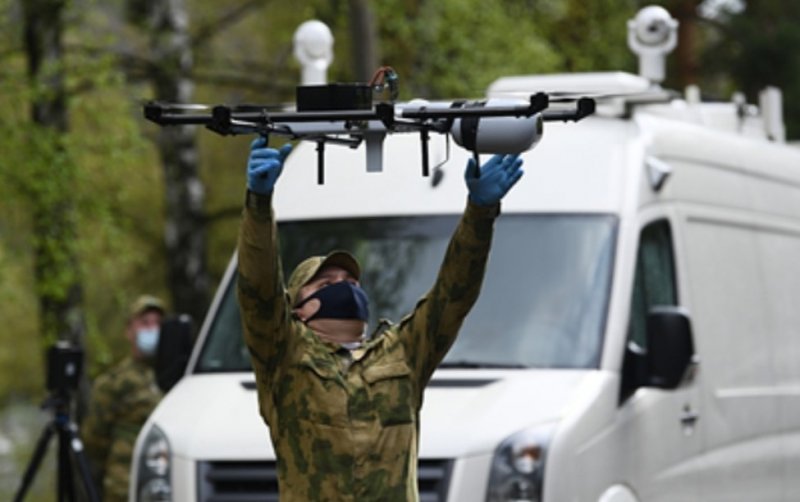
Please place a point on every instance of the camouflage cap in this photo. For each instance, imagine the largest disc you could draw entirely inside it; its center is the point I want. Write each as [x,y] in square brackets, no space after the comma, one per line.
[309,267]
[146,303]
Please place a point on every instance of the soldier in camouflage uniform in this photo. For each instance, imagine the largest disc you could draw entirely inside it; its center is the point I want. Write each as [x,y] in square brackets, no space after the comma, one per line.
[122,399]
[343,409]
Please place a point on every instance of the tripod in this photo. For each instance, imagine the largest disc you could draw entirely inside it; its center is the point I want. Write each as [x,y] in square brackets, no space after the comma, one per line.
[70,448]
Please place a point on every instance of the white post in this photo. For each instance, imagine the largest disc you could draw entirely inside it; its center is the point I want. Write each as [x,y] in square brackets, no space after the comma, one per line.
[771,104]
[313,48]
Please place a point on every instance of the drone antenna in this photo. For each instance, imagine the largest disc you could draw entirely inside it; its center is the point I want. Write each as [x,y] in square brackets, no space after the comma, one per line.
[384,77]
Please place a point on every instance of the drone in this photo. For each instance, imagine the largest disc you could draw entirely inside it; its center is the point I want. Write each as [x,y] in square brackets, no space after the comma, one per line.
[349,114]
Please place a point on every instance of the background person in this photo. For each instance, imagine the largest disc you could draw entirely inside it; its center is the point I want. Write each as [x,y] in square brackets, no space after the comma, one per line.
[121,400]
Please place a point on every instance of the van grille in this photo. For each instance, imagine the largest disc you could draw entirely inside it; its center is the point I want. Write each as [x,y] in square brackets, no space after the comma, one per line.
[258,481]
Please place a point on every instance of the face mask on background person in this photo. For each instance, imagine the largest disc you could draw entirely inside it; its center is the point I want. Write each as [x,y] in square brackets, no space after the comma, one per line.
[147,341]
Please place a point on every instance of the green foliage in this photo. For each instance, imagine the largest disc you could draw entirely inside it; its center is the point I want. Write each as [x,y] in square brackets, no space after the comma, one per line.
[20,346]
[49,187]
[589,36]
[104,175]
[475,42]
[756,47]
[120,205]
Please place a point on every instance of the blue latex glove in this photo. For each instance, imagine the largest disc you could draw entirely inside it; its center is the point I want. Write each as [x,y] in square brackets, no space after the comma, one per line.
[265,165]
[495,179]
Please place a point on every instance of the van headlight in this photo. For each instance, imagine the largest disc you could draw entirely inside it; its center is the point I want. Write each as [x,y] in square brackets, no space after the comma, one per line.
[518,467]
[153,480]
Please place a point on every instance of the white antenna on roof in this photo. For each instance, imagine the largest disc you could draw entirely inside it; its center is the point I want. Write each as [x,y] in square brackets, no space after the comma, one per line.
[771,104]
[652,35]
[313,48]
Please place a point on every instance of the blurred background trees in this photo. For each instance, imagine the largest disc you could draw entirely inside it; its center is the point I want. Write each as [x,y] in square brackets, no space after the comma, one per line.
[97,206]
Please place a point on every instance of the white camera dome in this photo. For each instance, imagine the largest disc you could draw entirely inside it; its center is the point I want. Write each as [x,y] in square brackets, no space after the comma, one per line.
[313,40]
[652,34]
[313,48]
[654,25]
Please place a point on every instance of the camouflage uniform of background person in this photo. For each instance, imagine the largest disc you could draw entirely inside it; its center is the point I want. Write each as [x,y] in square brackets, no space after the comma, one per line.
[121,401]
[344,417]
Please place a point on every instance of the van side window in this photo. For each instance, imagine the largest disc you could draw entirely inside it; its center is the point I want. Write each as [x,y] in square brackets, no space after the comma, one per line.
[654,284]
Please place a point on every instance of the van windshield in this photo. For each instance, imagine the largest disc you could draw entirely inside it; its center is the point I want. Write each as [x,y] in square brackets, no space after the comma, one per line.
[542,305]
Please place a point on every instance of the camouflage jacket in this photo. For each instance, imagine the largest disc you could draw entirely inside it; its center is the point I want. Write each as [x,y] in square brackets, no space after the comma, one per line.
[122,399]
[344,424]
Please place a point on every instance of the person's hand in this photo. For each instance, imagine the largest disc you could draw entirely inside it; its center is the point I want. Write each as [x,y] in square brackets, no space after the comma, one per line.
[265,165]
[493,180]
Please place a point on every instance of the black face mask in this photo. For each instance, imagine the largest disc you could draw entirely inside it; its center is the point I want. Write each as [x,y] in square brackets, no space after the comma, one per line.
[340,300]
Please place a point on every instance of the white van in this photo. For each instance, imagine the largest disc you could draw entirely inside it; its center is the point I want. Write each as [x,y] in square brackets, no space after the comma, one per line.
[637,337]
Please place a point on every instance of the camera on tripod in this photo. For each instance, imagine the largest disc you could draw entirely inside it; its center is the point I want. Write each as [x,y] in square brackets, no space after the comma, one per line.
[64,370]
[64,367]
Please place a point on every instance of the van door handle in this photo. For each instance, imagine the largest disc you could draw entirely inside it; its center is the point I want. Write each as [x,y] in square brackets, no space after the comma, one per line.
[689,417]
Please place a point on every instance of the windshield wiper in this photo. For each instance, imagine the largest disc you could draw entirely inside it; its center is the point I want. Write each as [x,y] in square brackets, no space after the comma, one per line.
[480,365]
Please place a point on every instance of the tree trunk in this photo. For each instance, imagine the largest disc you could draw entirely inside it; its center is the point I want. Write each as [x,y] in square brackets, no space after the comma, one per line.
[185,232]
[364,40]
[58,282]
[52,175]
[685,11]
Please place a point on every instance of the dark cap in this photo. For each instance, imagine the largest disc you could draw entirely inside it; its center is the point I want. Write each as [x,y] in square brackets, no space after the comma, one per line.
[310,267]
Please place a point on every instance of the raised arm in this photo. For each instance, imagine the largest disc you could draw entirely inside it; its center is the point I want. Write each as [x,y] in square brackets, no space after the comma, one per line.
[262,299]
[430,330]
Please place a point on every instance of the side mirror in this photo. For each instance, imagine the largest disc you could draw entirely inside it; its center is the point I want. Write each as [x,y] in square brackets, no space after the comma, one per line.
[670,347]
[174,349]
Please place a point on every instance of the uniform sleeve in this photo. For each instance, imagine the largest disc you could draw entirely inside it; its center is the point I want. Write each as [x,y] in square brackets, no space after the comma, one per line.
[263,301]
[430,330]
[97,427]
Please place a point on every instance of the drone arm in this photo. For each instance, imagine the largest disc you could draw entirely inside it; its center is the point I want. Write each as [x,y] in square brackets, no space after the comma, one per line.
[583,108]
[163,114]
[226,120]
[538,102]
